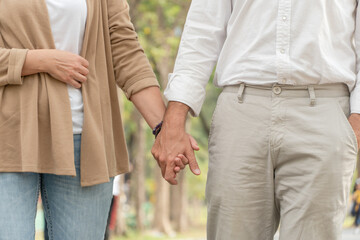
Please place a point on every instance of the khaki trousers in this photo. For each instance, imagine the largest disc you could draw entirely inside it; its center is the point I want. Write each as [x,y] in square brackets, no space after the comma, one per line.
[276,153]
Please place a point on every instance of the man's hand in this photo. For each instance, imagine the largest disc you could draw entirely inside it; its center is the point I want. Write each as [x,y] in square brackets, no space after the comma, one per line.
[173,141]
[354,120]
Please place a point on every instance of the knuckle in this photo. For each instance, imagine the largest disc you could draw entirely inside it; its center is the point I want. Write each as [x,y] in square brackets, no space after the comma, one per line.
[162,160]
[77,67]
[72,67]
[79,58]
[156,156]
[153,152]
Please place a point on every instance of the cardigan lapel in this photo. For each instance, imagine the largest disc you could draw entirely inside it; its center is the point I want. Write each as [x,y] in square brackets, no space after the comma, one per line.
[46,22]
[89,18]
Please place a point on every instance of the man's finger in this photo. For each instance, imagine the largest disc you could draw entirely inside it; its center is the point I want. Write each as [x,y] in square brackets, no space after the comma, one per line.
[194,167]
[193,143]
[162,164]
[170,175]
[177,169]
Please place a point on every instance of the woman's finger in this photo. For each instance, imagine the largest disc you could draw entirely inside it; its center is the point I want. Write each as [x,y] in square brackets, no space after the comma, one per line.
[184,160]
[179,163]
[193,143]
[75,84]
[83,70]
[79,77]
[84,62]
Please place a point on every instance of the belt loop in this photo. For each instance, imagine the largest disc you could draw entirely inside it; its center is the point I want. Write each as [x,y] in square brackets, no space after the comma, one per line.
[312,95]
[241,93]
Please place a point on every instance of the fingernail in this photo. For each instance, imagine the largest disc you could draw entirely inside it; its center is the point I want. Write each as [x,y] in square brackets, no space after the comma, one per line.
[197,171]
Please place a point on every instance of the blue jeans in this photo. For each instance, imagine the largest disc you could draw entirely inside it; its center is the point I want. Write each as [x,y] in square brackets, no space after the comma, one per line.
[71,211]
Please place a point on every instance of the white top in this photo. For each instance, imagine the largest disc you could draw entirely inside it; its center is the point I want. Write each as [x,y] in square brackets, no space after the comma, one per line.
[266,42]
[68,21]
[116,186]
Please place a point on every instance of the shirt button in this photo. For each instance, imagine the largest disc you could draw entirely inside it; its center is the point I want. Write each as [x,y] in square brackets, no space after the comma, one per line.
[282,51]
[284,18]
[276,90]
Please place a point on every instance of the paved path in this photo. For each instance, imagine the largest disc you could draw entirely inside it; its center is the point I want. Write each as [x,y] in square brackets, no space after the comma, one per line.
[348,234]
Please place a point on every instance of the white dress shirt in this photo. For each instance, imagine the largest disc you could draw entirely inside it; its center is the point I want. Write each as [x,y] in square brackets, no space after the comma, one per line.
[295,42]
[68,20]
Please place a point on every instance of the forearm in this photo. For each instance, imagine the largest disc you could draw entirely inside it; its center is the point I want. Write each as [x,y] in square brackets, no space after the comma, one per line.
[175,116]
[150,104]
[35,62]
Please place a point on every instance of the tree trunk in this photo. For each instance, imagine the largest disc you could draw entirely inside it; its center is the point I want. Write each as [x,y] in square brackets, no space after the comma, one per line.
[178,199]
[138,174]
[120,227]
[161,215]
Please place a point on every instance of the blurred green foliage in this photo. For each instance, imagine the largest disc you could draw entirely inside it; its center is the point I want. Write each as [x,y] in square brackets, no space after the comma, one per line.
[159,24]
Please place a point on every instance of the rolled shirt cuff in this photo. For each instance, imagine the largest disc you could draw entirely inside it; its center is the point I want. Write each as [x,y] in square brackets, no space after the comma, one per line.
[186,90]
[138,85]
[16,63]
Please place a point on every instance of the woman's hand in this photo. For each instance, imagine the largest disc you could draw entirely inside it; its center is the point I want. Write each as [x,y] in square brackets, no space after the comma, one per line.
[63,66]
[68,67]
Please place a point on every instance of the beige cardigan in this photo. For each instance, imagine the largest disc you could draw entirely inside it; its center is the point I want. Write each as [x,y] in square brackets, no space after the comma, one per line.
[35,115]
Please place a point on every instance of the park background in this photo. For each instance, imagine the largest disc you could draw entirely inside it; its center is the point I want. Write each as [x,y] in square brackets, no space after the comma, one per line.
[148,208]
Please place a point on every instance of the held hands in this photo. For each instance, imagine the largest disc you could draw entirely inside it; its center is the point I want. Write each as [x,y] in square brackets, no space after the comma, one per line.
[174,149]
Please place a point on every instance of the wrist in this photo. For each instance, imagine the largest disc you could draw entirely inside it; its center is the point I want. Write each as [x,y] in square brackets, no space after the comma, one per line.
[156,130]
[39,60]
[175,115]
[45,59]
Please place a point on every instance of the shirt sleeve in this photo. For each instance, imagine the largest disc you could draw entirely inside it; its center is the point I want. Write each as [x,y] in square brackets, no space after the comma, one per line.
[355,94]
[132,69]
[202,40]
[11,65]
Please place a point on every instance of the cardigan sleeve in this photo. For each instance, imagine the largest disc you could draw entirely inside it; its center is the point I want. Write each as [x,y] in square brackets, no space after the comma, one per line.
[132,69]
[11,65]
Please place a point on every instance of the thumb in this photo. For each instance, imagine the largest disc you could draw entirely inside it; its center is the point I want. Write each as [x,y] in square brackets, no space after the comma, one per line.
[194,167]
[193,143]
